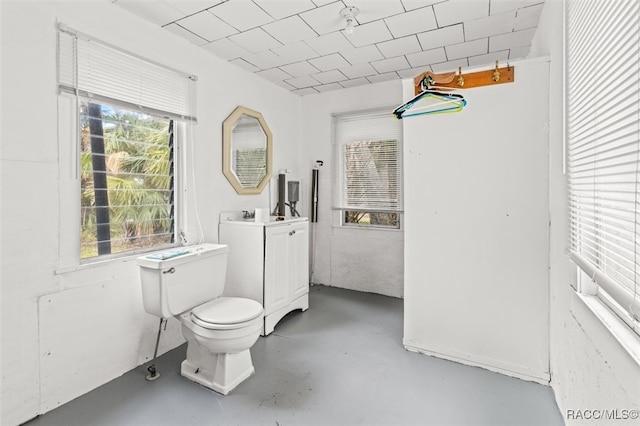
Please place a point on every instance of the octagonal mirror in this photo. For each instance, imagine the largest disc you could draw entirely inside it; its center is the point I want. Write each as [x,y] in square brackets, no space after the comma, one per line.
[247,151]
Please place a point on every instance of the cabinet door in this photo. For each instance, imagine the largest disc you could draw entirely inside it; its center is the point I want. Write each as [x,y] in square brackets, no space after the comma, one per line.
[299,260]
[276,276]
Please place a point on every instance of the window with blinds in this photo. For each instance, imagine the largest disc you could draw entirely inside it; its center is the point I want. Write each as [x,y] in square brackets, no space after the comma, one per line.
[127,112]
[369,158]
[603,125]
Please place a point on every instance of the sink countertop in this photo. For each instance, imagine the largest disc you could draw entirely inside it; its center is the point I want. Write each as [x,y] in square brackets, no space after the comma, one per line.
[237,219]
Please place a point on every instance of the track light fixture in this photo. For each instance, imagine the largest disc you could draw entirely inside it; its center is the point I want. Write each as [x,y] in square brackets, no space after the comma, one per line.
[349,14]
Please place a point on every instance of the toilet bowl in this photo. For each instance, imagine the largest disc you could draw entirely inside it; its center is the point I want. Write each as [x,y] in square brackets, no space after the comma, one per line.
[219,334]
[187,284]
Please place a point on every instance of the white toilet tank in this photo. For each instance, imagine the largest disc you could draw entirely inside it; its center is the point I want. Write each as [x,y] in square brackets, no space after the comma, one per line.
[179,279]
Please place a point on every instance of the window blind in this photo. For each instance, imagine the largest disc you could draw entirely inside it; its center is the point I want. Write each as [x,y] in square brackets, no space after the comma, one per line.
[106,74]
[603,149]
[369,158]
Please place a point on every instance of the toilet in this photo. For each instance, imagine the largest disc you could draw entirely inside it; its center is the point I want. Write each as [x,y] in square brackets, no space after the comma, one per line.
[187,283]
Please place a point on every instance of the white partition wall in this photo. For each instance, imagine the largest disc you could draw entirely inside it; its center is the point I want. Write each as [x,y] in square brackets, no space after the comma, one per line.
[477,228]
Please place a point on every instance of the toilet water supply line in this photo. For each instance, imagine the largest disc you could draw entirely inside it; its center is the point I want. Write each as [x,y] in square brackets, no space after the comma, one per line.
[153,373]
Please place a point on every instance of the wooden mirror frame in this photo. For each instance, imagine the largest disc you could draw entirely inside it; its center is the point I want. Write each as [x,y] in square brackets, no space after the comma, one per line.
[227,130]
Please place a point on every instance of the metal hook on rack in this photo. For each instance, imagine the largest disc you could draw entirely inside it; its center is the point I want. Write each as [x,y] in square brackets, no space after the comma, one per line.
[496,73]
[460,78]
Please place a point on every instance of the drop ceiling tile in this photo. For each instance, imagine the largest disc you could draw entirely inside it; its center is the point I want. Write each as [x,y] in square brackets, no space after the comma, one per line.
[355,82]
[427,57]
[383,77]
[514,39]
[273,74]
[279,9]
[413,72]
[360,70]
[456,11]
[499,6]
[289,30]
[255,40]
[325,19]
[392,64]
[415,4]
[242,15]
[372,10]
[329,62]
[328,87]
[283,84]
[374,32]
[519,52]
[207,26]
[399,46]
[299,69]
[362,54]
[469,48]
[301,82]
[441,37]
[226,49]
[489,26]
[322,2]
[489,58]
[329,76]
[245,65]
[528,17]
[450,66]
[413,22]
[329,43]
[157,12]
[186,34]
[305,91]
[295,52]
[264,60]
[189,7]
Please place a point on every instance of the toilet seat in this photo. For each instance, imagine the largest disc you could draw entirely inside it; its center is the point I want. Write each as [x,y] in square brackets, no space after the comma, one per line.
[226,313]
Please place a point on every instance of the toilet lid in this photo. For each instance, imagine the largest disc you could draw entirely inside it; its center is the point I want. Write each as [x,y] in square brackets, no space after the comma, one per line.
[227,310]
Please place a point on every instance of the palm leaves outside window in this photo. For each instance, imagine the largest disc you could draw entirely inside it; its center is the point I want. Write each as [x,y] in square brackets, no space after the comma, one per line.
[138,210]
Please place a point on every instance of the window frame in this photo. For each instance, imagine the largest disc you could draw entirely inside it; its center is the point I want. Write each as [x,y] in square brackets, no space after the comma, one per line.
[69,172]
[340,211]
[172,146]
[70,189]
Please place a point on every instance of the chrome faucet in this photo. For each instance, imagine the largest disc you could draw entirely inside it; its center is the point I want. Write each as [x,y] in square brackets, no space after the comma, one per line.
[248,214]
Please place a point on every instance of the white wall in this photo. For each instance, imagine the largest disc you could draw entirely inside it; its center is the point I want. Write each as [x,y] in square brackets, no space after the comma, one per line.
[476,228]
[359,259]
[65,330]
[590,370]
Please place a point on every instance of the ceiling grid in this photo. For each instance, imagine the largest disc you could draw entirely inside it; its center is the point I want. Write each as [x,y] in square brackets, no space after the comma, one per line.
[302,45]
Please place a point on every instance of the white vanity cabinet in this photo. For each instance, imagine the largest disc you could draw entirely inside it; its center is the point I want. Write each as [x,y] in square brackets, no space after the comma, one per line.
[268,262]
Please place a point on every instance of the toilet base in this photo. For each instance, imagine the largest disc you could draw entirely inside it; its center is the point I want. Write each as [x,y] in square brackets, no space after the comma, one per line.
[218,372]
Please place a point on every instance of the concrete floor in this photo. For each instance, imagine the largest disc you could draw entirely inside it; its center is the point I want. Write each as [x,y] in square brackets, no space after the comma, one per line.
[340,363]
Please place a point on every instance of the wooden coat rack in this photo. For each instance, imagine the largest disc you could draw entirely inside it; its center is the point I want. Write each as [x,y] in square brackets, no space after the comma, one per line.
[467,81]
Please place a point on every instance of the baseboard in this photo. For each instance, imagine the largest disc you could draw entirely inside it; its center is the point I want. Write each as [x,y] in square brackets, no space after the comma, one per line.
[472,361]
